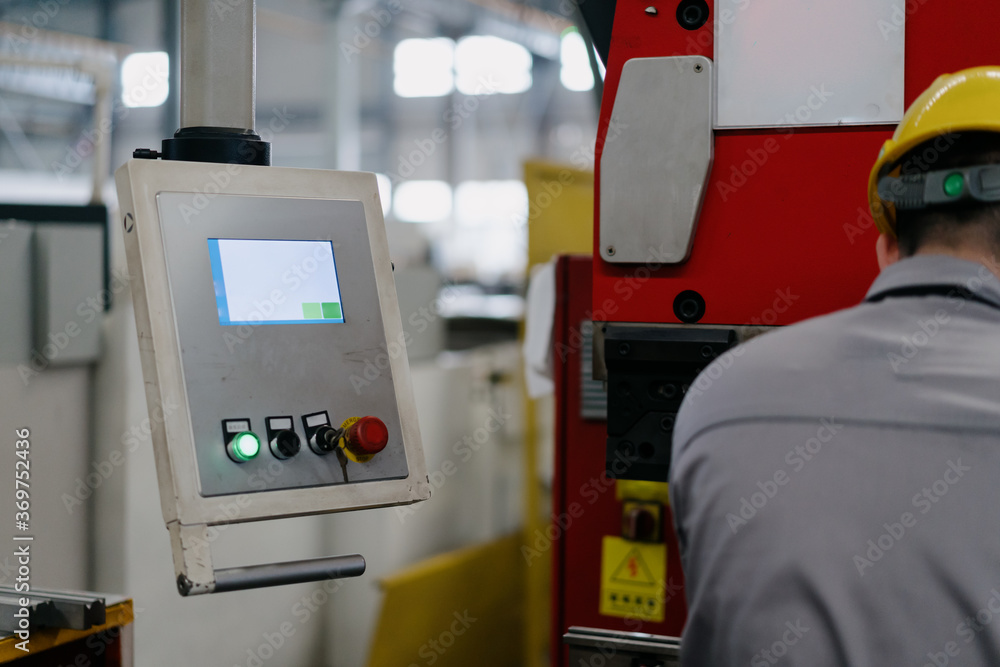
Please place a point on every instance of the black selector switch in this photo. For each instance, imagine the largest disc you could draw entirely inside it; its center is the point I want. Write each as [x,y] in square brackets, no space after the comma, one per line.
[285,444]
[320,435]
[282,439]
[324,440]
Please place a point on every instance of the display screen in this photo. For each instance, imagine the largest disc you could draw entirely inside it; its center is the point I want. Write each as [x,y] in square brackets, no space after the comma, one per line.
[275,282]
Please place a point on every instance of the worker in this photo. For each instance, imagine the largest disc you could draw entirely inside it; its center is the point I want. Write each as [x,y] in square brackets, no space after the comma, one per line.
[836,484]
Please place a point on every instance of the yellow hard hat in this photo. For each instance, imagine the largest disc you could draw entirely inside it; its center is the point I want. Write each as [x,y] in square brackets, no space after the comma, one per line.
[967,101]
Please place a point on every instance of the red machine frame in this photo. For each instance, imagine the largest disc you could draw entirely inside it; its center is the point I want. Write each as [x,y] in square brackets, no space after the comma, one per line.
[797,220]
[784,234]
[580,478]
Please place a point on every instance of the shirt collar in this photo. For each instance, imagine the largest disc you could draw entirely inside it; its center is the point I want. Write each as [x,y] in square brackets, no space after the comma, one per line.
[937,270]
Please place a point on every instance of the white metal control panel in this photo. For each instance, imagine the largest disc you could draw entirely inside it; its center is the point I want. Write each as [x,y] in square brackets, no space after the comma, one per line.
[263,298]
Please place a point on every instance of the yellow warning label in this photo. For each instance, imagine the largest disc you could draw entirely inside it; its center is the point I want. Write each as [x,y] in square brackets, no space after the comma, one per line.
[633,575]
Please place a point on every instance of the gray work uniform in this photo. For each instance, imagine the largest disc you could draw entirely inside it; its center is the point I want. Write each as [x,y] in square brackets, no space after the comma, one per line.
[836,484]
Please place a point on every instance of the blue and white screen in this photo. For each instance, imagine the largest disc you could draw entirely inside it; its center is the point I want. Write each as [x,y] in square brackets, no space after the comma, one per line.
[275,282]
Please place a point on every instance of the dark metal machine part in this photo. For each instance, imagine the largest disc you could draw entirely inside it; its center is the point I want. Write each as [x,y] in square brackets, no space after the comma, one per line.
[649,370]
[620,649]
[75,611]
[599,18]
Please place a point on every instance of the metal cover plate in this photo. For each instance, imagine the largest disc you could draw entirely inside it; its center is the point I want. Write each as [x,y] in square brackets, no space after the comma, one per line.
[656,159]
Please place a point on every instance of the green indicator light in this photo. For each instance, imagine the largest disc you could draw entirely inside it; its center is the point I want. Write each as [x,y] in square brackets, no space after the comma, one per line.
[954,185]
[246,445]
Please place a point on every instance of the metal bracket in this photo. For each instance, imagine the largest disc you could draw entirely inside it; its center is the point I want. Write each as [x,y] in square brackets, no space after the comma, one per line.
[50,609]
[197,576]
[649,371]
[621,649]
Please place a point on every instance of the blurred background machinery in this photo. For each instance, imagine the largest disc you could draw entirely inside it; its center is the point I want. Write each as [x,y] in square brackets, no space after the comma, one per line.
[447,102]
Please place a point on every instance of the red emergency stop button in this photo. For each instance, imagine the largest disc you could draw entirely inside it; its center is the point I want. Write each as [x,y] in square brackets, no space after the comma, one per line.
[367,436]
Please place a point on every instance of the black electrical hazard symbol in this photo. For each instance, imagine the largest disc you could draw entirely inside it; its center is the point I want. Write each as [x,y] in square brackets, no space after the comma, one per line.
[632,576]
[633,570]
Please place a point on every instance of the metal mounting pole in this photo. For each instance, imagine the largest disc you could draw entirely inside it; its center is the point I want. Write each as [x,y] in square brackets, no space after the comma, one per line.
[218,64]
[218,87]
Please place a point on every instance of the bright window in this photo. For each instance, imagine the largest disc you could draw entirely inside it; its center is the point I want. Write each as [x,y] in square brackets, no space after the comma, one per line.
[145,79]
[491,203]
[488,253]
[422,201]
[575,72]
[489,65]
[424,67]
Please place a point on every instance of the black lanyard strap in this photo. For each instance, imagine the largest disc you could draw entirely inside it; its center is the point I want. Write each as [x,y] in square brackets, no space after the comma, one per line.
[956,291]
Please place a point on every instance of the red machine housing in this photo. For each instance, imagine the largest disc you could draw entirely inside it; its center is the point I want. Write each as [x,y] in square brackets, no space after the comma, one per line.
[580,478]
[784,234]
[793,220]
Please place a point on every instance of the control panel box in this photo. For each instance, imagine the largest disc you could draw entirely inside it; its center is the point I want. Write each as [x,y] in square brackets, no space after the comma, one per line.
[264,299]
